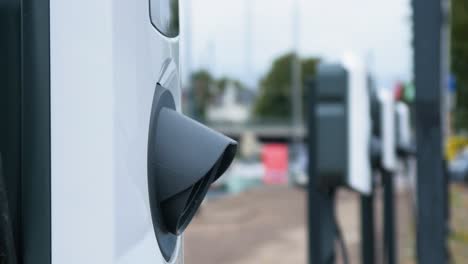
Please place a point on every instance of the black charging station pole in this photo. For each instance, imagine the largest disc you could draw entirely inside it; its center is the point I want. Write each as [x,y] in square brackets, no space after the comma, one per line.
[322,233]
[367,229]
[321,228]
[390,253]
[428,18]
[7,243]
[10,131]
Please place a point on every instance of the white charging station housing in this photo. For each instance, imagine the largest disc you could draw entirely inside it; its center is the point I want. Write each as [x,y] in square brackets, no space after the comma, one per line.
[99,63]
[102,166]
[106,58]
[387,119]
[403,127]
[359,125]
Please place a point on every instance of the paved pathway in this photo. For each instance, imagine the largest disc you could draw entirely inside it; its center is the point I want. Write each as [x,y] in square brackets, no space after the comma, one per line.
[267,226]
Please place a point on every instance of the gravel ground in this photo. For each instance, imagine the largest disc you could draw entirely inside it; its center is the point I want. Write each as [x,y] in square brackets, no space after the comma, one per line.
[267,225]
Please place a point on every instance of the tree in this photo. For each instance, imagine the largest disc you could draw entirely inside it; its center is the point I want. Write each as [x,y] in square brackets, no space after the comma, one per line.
[274,100]
[202,81]
[459,57]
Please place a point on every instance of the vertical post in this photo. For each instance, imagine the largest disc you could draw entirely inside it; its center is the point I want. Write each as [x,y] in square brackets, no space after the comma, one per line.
[321,225]
[390,253]
[367,229]
[447,208]
[296,77]
[35,137]
[187,42]
[431,233]
[322,229]
[10,111]
[7,242]
[445,76]
[248,41]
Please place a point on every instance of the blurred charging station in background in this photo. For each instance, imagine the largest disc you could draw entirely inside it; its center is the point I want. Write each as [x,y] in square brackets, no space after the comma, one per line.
[352,142]
[339,147]
[343,127]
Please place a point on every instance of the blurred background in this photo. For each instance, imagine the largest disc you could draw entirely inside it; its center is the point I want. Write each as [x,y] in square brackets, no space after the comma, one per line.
[246,66]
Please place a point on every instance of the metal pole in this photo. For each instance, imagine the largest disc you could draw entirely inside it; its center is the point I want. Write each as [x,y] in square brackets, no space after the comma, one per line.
[314,199]
[447,209]
[187,81]
[248,42]
[431,229]
[390,253]
[367,229]
[296,76]
[7,241]
[188,42]
[445,72]
[320,207]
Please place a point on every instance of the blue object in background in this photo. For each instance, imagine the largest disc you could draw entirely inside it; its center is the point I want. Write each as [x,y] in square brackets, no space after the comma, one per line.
[452,83]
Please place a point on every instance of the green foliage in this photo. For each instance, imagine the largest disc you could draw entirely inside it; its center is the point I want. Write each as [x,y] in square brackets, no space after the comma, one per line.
[459,56]
[274,100]
[202,83]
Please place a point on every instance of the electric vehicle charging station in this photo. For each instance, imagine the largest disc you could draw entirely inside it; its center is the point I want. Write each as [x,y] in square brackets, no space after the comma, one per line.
[342,96]
[430,26]
[384,162]
[368,246]
[387,123]
[387,170]
[339,139]
[109,169]
[343,127]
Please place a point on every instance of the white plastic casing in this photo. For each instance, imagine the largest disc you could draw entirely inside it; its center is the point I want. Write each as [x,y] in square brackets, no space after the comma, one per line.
[106,58]
[359,125]
[404,127]
[389,160]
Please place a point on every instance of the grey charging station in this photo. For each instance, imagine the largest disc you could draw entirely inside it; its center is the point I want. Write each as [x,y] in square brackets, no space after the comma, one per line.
[384,159]
[322,232]
[346,108]
[331,124]
[342,119]
[387,172]
[339,140]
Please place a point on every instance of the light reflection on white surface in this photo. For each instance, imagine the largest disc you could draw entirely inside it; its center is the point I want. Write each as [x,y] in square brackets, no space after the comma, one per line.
[104,68]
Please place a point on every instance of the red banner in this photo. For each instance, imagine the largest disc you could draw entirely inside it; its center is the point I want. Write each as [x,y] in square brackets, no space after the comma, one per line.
[275,161]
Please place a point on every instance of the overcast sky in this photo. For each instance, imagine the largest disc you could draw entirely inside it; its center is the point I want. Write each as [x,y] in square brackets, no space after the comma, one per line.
[378,30]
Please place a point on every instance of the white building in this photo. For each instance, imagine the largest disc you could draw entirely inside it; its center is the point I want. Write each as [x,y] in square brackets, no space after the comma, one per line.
[233,105]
